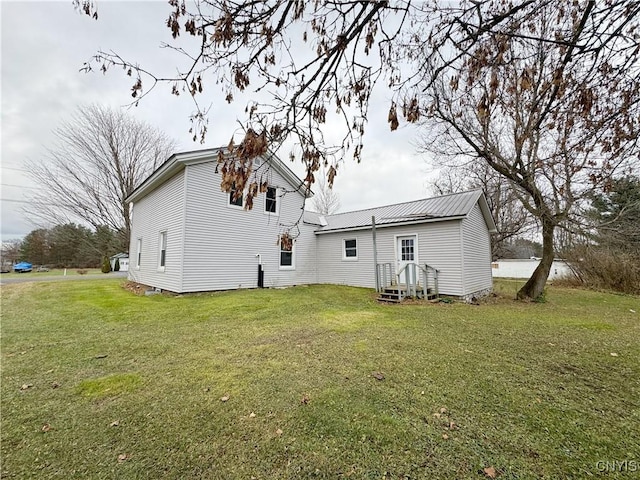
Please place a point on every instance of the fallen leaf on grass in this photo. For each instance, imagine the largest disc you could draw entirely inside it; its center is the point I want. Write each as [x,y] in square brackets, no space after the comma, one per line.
[453,426]
[46,427]
[490,472]
[443,410]
[252,415]
[445,436]
[279,431]
[55,385]
[123,457]
[225,398]
[305,399]
[378,375]
[26,386]
[103,355]
[115,423]
[614,354]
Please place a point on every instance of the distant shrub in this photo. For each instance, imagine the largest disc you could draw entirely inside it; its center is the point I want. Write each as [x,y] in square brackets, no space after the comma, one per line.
[606,268]
[106,265]
[81,271]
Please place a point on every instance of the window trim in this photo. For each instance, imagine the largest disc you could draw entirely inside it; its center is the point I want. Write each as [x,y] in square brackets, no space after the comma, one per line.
[344,249]
[276,212]
[162,242]
[293,256]
[138,252]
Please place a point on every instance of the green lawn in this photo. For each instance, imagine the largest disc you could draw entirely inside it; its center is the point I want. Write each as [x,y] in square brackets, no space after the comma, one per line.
[54,272]
[99,383]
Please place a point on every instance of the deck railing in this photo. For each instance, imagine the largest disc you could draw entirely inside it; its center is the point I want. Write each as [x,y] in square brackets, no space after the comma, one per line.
[385,276]
[419,280]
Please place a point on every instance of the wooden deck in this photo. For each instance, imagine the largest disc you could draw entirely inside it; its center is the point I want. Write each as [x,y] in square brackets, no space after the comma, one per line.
[396,293]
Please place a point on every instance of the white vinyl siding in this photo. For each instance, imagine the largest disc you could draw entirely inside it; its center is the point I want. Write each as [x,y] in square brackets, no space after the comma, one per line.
[438,246]
[159,211]
[221,243]
[477,252]
[333,269]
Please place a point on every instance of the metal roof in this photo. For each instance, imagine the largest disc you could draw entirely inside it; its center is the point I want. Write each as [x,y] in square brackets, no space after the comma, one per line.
[434,209]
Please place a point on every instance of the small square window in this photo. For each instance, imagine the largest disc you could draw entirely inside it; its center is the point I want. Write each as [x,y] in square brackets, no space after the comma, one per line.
[350,249]
[271,200]
[235,196]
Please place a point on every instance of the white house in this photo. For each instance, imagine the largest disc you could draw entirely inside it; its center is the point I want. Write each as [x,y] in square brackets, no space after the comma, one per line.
[524,267]
[189,236]
[123,260]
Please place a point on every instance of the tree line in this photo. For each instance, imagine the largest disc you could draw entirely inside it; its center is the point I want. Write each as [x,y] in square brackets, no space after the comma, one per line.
[64,246]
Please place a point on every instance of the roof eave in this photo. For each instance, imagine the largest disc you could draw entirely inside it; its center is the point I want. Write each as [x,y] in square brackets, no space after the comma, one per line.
[391,224]
[486,213]
[178,161]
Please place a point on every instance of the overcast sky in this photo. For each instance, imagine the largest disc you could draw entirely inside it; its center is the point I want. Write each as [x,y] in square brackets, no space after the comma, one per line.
[44,44]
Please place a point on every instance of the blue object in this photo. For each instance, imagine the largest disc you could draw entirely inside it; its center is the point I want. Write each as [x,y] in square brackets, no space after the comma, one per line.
[22,267]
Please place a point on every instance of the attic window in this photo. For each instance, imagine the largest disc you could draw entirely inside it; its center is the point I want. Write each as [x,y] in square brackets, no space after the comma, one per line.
[271,200]
[235,196]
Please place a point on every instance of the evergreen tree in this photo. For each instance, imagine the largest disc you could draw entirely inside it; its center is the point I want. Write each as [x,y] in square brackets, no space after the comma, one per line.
[106,265]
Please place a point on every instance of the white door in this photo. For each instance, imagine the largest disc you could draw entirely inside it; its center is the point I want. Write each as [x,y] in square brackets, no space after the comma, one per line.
[406,252]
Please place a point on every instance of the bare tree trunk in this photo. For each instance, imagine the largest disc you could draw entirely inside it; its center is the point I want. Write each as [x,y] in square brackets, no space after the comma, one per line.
[534,288]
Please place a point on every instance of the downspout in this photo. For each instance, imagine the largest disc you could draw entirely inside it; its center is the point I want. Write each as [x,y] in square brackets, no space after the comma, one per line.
[375,252]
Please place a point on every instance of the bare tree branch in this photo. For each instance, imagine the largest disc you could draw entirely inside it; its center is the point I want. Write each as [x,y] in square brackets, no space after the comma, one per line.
[101,155]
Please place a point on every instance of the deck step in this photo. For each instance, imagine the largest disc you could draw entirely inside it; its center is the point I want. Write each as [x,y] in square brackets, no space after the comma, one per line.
[393,293]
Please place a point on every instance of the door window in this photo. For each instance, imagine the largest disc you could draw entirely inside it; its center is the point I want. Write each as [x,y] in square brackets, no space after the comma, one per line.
[406,250]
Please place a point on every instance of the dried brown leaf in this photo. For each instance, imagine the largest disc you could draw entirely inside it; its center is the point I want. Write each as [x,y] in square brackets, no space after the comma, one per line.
[490,472]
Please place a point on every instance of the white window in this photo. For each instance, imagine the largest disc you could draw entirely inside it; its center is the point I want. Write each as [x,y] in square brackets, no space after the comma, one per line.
[407,253]
[235,197]
[286,256]
[350,249]
[271,201]
[138,253]
[162,255]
